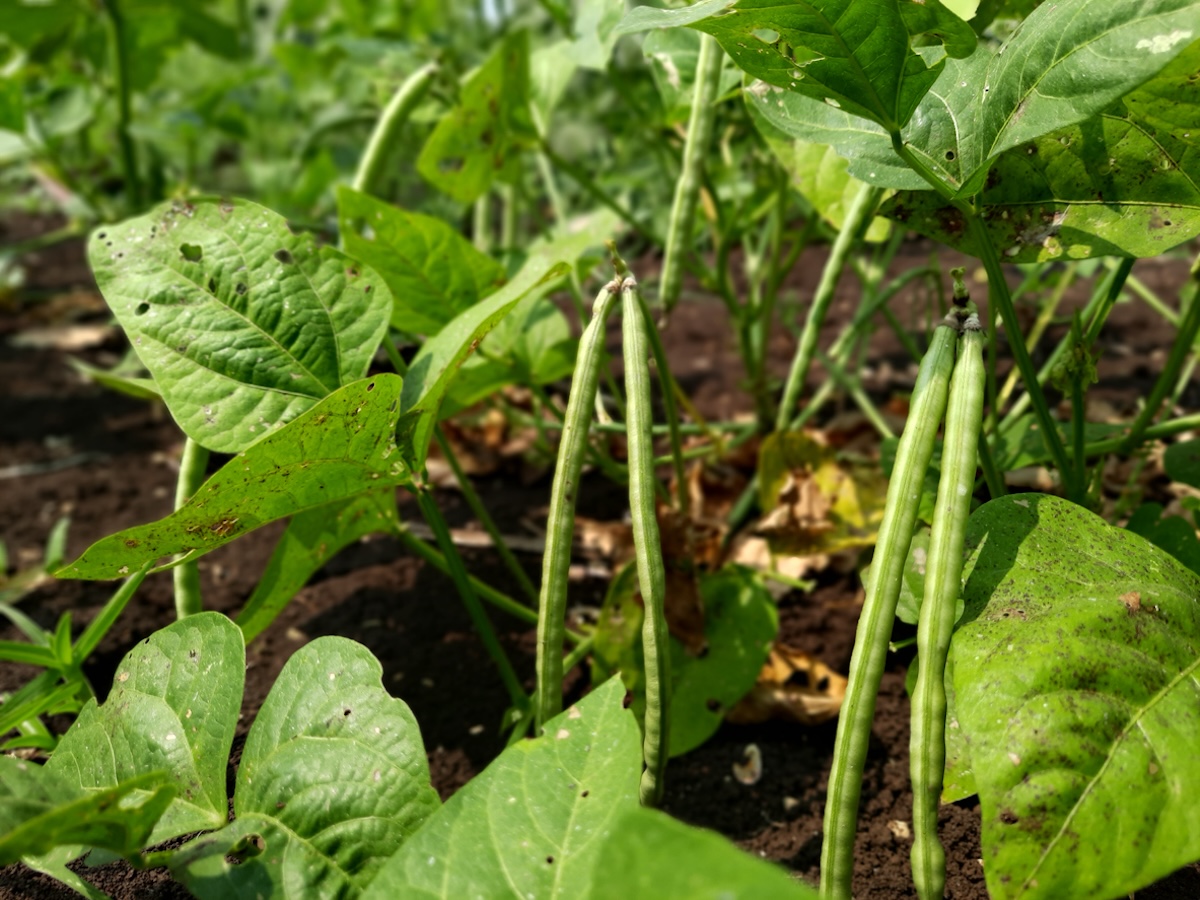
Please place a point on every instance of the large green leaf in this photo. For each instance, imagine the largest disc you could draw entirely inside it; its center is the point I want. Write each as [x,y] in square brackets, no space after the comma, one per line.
[650,856]
[313,537]
[243,324]
[1075,673]
[740,624]
[438,361]
[40,810]
[332,780]
[1122,183]
[341,448]
[173,707]
[856,54]
[532,823]
[474,143]
[434,273]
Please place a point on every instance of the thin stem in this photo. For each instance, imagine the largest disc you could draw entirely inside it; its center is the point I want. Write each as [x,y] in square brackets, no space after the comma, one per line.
[687,188]
[992,475]
[560,521]
[852,387]
[387,128]
[466,590]
[597,193]
[481,223]
[485,518]
[879,613]
[861,209]
[1110,297]
[647,546]
[193,464]
[129,165]
[1045,317]
[1078,436]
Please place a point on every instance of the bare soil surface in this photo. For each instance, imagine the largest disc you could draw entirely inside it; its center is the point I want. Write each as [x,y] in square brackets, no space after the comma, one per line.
[68,447]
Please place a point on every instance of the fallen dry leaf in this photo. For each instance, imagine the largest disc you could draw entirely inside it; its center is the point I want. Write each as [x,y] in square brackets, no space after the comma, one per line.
[793,686]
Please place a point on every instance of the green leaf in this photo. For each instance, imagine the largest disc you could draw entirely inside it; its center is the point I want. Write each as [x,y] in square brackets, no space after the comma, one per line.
[174,707]
[650,855]
[1022,444]
[12,105]
[332,780]
[1074,669]
[532,823]
[912,582]
[1182,461]
[433,272]
[243,324]
[672,54]
[313,537]
[40,810]
[339,449]
[1122,183]
[436,364]
[1174,534]
[476,142]
[740,624]
[856,53]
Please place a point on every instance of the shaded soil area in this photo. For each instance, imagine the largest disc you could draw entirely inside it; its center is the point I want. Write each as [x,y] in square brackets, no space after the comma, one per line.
[70,448]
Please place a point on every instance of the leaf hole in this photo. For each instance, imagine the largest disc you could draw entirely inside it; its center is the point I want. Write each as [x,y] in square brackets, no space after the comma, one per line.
[212,285]
[370,387]
[102,235]
[550,859]
[346,712]
[191,252]
[141,309]
[240,288]
[352,272]
[283,256]
[713,704]
[949,155]
[766,35]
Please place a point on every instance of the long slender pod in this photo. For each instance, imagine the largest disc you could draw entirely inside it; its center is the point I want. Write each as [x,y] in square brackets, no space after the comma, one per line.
[407,97]
[879,612]
[943,582]
[687,189]
[560,525]
[651,575]
[192,467]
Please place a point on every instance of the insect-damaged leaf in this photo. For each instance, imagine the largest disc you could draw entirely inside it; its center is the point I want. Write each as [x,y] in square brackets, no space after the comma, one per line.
[857,54]
[1075,674]
[173,707]
[243,324]
[1122,183]
[339,449]
[333,779]
[532,823]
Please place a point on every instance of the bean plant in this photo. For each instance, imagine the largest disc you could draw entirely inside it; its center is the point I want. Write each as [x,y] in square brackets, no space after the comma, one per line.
[324,340]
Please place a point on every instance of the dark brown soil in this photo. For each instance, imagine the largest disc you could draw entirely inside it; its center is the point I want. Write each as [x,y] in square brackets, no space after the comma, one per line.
[116,461]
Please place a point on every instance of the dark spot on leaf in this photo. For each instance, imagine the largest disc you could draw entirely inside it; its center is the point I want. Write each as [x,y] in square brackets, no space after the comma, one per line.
[102,235]
[283,256]
[141,309]
[192,252]
[226,207]
[550,859]
[191,654]
[450,164]
[585,793]
[352,272]
[345,712]
[212,285]
[370,387]
[240,288]
[367,289]
[131,543]
[1008,817]
[713,704]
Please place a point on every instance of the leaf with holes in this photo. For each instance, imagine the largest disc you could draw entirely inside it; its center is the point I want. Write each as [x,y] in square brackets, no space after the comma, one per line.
[333,778]
[856,54]
[341,448]
[243,324]
[1123,183]
[438,361]
[434,273]
[1075,670]
[532,823]
[173,707]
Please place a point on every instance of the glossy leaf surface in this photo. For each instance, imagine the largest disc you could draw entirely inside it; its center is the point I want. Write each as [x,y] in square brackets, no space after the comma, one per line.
[243,324]
[1075,673]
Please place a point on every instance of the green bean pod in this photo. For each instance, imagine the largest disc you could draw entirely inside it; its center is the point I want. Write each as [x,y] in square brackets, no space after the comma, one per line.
[651,575]
[943,584]
[879,612]
[560,524]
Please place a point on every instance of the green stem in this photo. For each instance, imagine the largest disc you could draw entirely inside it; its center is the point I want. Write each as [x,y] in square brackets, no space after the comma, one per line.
[879,612]
[1078,439]
[647,546]
[466,590]
[687,188]
[387,128]
[861,209]
[943,586]
[991,474]
[852,387]
[560,522]
[1045,317]
[1115,285]
[129,165]
[193,464]
[481,223]
[597,193]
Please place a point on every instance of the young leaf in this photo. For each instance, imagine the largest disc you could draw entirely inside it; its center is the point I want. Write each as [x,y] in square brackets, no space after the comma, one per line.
[1074,669]
[332,780]
[173,707]
[313,537]
[473,144]
[433,272]
[339,449]
[243,324]
[1182,461]
[437,362]
[650,855]
[1122,183]
[40,810]
[531,824]
[856,54]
